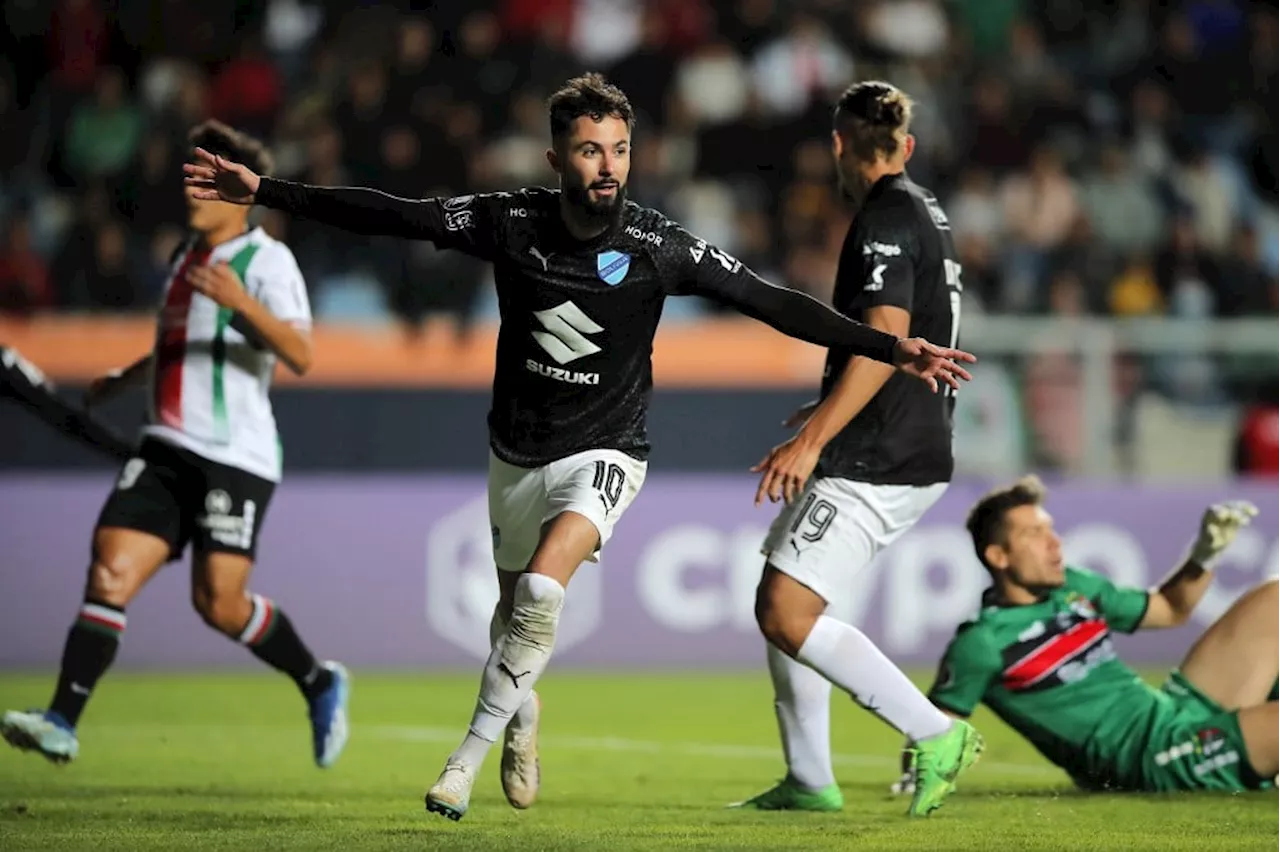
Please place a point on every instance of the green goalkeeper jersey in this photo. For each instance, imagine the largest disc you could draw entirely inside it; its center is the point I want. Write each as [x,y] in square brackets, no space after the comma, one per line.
[1050,671]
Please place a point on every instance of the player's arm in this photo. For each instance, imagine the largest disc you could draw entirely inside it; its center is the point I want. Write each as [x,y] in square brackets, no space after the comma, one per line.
[286,333]
[705,270]
[448,222]
[1171,603]
[24,382]
[884,278]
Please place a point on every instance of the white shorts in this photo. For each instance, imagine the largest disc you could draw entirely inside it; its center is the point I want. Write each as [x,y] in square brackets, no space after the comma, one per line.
[597,484]
[837,526]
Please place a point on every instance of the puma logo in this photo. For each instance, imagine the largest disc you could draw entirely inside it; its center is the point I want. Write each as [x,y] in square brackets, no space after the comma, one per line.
[533,250]
[515,678]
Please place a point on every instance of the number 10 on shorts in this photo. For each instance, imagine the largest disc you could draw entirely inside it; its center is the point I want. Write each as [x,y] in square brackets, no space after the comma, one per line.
[609,479]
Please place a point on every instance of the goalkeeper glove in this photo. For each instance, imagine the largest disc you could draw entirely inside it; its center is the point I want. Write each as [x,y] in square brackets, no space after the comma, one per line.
[1218,528]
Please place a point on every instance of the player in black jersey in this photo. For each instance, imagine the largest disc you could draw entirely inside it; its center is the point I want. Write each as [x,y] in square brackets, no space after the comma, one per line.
[581,275]
[23,382]
[871,458]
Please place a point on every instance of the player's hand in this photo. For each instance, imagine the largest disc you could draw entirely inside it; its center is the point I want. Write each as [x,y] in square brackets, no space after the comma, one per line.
[801,415]
[931,364]
[218,179]
[785,470]
[1218,528]
[220,283]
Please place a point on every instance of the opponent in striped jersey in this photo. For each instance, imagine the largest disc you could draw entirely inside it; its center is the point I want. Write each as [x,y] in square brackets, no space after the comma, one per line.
[206,469]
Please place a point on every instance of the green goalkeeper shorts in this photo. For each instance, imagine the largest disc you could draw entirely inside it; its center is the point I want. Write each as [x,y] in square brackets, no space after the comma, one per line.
[1196,744]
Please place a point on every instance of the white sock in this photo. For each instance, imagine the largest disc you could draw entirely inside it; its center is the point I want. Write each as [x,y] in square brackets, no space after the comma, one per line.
[525,716]
[802,703]
[514,665]
[845,656]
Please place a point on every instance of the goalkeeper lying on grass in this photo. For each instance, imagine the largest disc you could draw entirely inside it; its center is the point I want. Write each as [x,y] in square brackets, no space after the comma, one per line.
[1040,656]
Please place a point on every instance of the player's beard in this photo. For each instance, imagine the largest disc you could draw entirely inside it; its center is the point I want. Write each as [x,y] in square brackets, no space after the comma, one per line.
[601,213]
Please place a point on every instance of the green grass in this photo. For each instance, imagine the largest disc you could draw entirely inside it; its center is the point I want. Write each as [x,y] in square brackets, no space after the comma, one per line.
[639,761]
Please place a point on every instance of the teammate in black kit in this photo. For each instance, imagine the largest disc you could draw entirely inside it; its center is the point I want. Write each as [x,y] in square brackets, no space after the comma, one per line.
[873,455]
[581,276]
[23,382]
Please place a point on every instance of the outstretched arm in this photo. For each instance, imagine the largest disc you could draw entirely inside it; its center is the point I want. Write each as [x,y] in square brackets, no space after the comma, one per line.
[706,271]
[28,385]
[1172,602]
[448,222]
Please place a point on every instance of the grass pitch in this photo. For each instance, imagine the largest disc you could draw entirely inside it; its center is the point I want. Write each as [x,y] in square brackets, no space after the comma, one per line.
[635,761]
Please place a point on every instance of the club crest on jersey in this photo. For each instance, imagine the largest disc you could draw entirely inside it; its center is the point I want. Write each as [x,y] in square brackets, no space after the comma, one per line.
[612,266]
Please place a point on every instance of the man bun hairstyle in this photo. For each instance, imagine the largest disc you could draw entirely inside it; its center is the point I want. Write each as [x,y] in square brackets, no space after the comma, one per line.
[590,95]
[871,116]
[986,521]
[224,141]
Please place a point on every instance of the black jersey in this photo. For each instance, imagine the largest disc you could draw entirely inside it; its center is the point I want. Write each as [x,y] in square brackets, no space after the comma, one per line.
[578,318]
[24,382]
[898,252]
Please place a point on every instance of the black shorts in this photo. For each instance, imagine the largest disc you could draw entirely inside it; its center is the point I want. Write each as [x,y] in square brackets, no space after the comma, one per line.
[181,497]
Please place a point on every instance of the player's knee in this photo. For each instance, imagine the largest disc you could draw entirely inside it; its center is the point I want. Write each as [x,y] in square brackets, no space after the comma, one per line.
[224,610]
[112,578]
[536,610]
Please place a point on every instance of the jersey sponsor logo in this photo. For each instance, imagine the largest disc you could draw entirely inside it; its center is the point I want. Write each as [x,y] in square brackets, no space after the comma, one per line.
[935,213]
[224,527]
[1208,748]
[458,202]
[533,250]
[877,279]
[612,266]
[518,212]
[566,329]
[730,263]
[560,374]
[881,249]
[459,221]
[1047,657]
[643,236]
[217,502]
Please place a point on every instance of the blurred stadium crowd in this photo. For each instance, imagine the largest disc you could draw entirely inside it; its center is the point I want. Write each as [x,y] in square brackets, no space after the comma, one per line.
[1095,157]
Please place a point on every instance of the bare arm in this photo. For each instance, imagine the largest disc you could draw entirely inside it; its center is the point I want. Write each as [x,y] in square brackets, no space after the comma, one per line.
[1172,602]
[289,341]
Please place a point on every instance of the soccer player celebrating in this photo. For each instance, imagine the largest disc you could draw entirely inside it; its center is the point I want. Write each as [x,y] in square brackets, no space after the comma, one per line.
[880,446]
[26,384]
[206,469]
[581,275]
[1040,655]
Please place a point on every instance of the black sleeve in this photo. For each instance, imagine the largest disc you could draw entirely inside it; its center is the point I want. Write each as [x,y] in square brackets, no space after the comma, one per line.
[697,268]
[22,381]
[463,222]
[888,249]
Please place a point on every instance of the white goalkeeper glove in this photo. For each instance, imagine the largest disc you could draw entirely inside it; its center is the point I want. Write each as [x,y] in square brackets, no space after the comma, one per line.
[1218,528]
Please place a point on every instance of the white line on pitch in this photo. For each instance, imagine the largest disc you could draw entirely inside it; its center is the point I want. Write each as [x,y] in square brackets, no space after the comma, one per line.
[690,749]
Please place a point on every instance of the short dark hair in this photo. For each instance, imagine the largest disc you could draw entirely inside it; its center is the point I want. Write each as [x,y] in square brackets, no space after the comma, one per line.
[869,115]
[591,95]
[218,138]
[986,521]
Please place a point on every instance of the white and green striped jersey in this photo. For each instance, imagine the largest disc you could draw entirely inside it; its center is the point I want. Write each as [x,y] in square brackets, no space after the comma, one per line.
[210,384]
